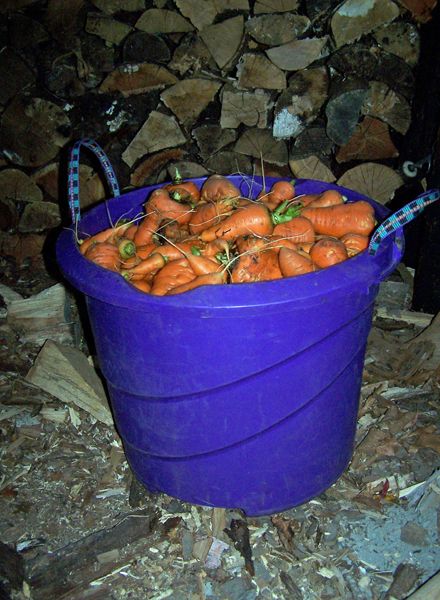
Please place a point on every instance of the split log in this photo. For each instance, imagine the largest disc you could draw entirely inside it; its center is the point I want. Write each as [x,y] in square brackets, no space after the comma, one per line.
[430,590]
[343,110]
[227,162]
[277,29]
[224,40]
[14,75]
[21,246]
[401,39]
[39,216]
[257,71]
[300,104]
[66,373]
[113,6]
[141,46]
[212,138]
[137,79]
[311,168]
[374,180]
[351,21]
[274,6]
[421,10]
[313,141]
[18,187]
[158,132]
[388,106]
[249,108]
[188,99]
[359,61]
[42,317]
[74,567]
[260,144]
[32,131]
[157,20]
[107,28]
[11,566]
[298,54]
[191,55]
[371,140]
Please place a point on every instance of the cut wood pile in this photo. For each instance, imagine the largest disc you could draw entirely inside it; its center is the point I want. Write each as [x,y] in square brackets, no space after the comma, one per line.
[318,89]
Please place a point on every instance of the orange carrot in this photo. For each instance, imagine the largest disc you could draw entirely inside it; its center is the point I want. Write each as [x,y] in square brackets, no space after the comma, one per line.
[327,252]
[104,254]
[159,207]
[202,265]
[256,266]
[279,192]
[209,214]
[218,187]
[293,262]
[106,235]
[207,279]
[173,274]
[126,248]
[355,243]
[354,217]
[131,231]
[143,252]
[142,285]
[251,219]
[183,191]
[152,264]
[327,198]
[299,229]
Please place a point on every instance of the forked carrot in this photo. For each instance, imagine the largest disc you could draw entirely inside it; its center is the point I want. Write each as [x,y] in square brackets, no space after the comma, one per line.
[353,217]
[151,264]
[174,273]
[328,198]
[355,243]
[218,187]
[251,219]
[261,265]
[298,229]
[294,262]
[104,254]
[207,279]
[279,192]
[327,252]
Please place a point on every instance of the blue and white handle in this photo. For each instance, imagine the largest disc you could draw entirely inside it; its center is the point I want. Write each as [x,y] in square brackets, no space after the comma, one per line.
[73,175]
[401,217]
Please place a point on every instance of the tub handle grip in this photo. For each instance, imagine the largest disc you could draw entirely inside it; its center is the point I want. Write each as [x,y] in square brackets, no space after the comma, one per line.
[401,217]
[73,175]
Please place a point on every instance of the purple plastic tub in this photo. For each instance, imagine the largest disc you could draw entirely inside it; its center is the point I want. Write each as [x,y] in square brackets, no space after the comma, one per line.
[240,396]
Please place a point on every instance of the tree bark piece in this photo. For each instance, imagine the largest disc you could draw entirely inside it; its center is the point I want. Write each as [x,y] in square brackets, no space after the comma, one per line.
[39,216]
[370,141]
[75,566]
[298,54]
[301,102]
[158,132]
[151,165]
[224,39]
[66,373]
[191,55]
[275,30]
[312,141]
[248,108]
[113,6]
[260,144]
[137,79]
[376,181]
[354,19]
[421,10]
[11,566]
[227,162]
[188,98]
[157,20]
[212,138]
[142,47]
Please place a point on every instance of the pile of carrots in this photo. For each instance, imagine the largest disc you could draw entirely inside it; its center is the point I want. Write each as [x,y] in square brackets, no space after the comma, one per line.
[188,237]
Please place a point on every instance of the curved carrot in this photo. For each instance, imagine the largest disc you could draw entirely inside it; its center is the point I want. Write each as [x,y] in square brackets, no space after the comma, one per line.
[159,207]
[143,252]
[207,279]
[210,213]
[354,217]
[104,254]
[327,252]
[183,191]
[218,187]
[173,274]
[202,265]
[130,232]
[142,285]
[293,262]
[327,198]
[251,219]
[151,264]
[106,235]
[279,192]
[355,243]
[299,229]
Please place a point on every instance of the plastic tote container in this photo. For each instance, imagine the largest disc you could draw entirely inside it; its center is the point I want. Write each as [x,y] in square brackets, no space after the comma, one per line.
[243,395]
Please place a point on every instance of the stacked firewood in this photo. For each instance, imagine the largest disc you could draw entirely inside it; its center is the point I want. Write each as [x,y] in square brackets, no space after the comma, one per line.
[317,89]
